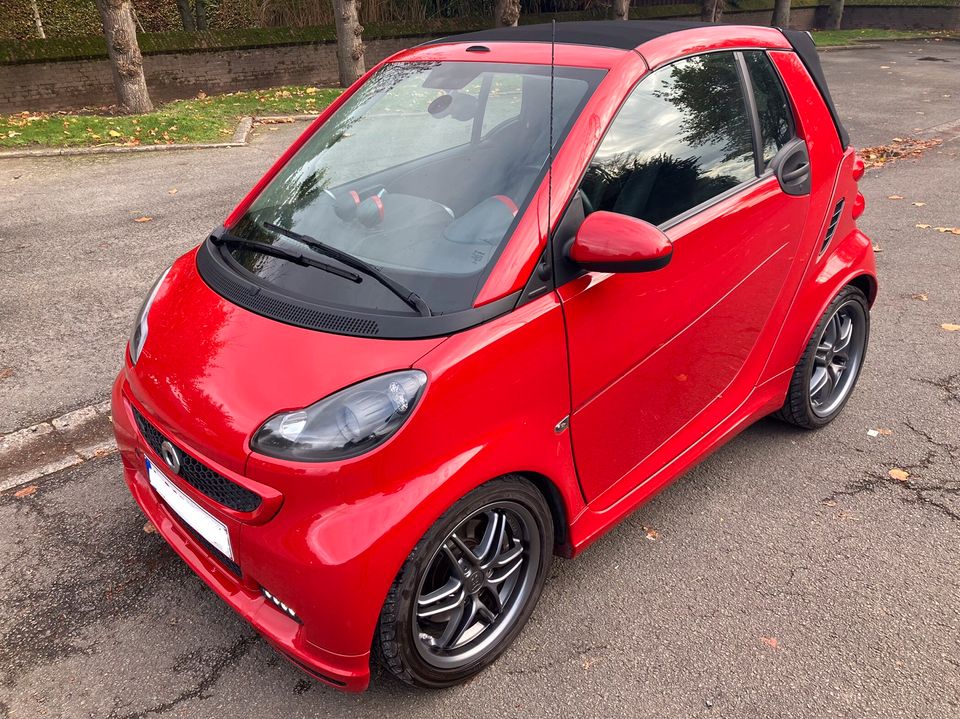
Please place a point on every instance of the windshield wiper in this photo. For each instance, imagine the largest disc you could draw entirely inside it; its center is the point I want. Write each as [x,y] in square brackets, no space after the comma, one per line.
[264,249]
[410,298]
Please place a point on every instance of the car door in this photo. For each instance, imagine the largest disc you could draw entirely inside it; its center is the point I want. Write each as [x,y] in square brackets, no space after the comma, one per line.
[650,352]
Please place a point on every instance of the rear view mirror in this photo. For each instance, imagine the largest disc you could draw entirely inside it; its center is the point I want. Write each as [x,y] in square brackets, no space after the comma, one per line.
[611,242]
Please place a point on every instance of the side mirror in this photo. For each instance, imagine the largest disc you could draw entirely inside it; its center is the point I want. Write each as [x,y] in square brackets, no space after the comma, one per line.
[610,242]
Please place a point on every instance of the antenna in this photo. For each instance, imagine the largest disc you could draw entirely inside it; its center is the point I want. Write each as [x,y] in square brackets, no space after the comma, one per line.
[553,47]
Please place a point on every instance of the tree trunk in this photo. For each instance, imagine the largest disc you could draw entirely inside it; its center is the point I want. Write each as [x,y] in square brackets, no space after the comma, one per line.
[200,14]
[346,14]
[186,15]
[835,15]
[125,58]
[621,9]
[37,20]
[781,13]
[506,13]
[711,10]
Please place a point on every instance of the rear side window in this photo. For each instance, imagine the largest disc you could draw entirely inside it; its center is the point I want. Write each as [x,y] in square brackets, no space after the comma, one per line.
[773,109]
[681,138]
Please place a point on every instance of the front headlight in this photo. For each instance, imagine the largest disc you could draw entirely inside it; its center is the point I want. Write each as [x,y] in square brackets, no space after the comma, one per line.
[345,424]
[139,334]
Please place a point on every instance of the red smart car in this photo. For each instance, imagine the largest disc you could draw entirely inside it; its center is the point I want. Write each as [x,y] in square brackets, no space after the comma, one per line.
[508,286]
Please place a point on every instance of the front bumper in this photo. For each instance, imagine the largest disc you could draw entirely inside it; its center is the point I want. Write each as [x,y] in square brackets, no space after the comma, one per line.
[237,586]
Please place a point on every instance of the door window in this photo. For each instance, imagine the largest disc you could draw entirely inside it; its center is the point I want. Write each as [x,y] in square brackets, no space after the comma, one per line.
[773,110]
[681,138]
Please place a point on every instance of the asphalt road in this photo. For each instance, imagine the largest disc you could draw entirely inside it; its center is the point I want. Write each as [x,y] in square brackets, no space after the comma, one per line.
[790,575]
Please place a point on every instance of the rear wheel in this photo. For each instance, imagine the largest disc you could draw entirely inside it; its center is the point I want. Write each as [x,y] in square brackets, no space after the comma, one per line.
[828,370]
[468,587]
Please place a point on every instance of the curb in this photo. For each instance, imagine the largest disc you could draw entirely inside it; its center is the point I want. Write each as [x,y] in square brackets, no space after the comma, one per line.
[858,46]
[241,138]
[42,449]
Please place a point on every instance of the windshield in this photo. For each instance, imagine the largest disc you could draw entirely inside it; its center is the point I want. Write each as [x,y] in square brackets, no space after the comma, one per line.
[422,173]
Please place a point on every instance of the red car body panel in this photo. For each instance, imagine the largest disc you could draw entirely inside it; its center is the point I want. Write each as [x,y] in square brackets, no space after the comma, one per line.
[642,406]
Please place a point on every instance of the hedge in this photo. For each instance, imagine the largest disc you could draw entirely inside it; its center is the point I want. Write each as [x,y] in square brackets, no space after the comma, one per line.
[93,46]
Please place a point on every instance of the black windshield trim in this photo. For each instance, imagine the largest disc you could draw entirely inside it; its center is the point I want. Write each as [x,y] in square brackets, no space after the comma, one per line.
[242,288]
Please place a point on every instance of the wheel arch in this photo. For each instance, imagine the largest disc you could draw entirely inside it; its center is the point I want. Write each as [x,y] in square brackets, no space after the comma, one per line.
[867,284]
[558,510]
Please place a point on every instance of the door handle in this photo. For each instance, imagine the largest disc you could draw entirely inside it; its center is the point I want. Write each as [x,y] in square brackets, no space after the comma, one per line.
[796,173]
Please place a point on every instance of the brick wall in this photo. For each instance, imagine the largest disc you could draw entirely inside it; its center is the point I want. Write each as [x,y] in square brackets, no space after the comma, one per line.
[89,83]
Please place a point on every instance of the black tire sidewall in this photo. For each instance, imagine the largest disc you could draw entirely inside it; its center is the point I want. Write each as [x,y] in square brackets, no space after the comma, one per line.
[415,669]
[805,369]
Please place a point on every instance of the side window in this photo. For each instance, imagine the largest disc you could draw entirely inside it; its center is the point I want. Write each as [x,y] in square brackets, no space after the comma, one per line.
[503,102]
[776,119]
[682,137]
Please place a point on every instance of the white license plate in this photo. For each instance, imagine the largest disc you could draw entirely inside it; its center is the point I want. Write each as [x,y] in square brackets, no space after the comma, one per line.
[202,522]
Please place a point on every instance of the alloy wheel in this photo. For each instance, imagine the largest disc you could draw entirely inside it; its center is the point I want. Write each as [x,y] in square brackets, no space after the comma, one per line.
[476,584]
[837,359]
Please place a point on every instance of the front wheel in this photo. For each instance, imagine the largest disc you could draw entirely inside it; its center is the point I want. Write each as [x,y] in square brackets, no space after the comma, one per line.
[468,587]
[828,370]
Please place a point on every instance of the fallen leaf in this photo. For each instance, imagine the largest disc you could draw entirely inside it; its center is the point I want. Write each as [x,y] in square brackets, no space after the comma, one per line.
[919,204]
[950,327]
[884,432]
[145,218]
[877,248]
[6,372]
[172,191]
[311,90]
[922,227]
[148,528]
[201,95]
[895,197]
[652,533]
[25,492]
[114,133]
[901,475]
[951,230]
[922,296]
[770,641]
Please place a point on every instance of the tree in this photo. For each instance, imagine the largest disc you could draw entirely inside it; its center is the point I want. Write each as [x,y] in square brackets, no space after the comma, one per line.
[781,13]
[193,18]
[37,20]
[186,15]
[200,14]
[346,14]
[834,15]
[621,9]
[711,10]
[125,58]
[506,13]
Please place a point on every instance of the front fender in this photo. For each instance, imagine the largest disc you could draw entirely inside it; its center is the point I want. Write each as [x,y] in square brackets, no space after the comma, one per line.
[494,395]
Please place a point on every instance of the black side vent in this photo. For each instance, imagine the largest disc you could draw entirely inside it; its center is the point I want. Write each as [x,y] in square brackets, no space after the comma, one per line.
[834,221]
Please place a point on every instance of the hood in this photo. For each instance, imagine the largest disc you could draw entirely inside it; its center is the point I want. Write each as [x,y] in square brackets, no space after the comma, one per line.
[211,373]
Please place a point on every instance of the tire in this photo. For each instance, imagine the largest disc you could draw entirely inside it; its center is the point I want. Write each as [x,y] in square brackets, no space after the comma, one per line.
[418,643]
[807,407]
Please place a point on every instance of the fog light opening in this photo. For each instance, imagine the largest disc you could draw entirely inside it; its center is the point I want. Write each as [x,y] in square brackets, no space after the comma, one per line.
[281,606]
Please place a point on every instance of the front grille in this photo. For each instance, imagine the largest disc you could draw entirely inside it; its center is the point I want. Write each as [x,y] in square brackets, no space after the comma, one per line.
[201,477]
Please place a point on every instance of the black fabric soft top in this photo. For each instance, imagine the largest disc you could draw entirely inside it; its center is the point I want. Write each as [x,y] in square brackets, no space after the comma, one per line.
[624,35]
[807,50]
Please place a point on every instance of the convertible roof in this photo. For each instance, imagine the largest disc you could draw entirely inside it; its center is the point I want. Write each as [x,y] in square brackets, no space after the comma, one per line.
[625,35]
[630,34]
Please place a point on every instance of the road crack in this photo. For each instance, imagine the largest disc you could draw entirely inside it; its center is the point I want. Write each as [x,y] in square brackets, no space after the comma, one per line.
[215,671]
